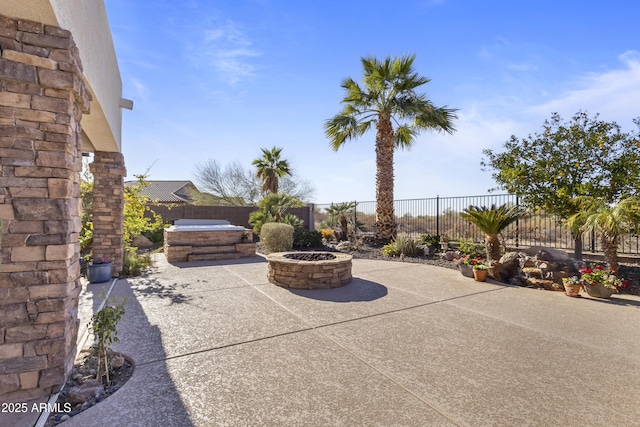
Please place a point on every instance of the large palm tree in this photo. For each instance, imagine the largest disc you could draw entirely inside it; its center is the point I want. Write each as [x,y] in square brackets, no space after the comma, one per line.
[388,98]
[491,221]
[610,220]
[270,168]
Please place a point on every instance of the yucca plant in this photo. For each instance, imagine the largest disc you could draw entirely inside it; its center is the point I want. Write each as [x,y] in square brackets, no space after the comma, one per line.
[611,220]
[491,221]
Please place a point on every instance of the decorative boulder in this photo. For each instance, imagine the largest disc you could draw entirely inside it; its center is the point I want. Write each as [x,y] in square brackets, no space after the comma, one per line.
[89,390]
[141,242]
[537,267]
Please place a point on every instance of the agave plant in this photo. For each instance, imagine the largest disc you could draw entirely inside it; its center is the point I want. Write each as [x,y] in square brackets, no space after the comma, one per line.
[492,221]
[610,220]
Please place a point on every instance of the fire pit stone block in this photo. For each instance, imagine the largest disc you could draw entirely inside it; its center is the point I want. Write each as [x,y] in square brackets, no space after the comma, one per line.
[301,274]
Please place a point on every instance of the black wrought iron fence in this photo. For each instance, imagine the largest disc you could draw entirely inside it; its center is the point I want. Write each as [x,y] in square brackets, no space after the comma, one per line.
[441,216]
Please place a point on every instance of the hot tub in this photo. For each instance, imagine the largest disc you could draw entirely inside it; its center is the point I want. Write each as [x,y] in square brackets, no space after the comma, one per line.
[207,240]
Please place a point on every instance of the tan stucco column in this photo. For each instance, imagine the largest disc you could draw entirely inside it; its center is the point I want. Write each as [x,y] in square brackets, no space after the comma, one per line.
[42,99]
[108,207]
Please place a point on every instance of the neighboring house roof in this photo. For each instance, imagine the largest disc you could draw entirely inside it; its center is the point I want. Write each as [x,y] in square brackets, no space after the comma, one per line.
[168,191]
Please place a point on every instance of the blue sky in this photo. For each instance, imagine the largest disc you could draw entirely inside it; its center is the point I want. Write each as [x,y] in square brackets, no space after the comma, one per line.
[221,79]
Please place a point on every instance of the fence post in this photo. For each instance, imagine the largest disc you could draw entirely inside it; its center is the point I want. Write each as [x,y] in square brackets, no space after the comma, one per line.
[312,222]
[517,224]
[593,240]
[438,215]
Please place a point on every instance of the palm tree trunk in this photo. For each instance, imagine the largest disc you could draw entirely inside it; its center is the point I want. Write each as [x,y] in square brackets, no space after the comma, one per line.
[343,226]
[492,244]
[577,248]
[385,215]
[610,248]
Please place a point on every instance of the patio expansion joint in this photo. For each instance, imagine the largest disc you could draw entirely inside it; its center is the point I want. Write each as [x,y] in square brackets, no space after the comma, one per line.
[318,330]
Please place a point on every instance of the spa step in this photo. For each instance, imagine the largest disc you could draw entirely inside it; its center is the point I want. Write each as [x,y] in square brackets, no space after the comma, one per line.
[213,249]
[213,256]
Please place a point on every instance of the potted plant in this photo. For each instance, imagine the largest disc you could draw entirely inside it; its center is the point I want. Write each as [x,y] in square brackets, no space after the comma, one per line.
[572,286]
[99,270]
[600,282]
[465,266]
[480,270]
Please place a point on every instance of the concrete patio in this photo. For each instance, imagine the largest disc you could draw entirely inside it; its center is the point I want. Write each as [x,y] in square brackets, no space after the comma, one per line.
[403,344]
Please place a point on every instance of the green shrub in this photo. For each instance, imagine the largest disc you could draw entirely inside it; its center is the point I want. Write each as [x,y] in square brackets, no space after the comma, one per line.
[293,221]
[156,234]
[276,237]
[104,327]
[134,263]
[472,249]
[307,239]
[430,239]
[402,245]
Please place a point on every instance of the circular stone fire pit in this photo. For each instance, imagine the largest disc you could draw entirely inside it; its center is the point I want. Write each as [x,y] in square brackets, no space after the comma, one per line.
[309,270]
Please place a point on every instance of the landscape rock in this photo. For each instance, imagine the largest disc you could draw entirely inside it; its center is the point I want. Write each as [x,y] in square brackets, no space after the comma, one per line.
[82,393]
[546,254]
[537,267]
[117,361]
[141,242]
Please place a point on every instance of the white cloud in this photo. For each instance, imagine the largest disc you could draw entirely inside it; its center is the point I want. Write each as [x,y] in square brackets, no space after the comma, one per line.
[226,48]
[141,90]
[613,93]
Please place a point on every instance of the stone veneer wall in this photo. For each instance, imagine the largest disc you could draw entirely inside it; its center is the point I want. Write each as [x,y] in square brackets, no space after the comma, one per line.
[42,99]
[108,207]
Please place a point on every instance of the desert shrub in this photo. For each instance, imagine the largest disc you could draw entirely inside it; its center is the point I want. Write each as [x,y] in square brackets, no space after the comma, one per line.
[306,239]
[429,239]
[156,234]
[472,249]
[327,233]
[134,263]
[293,221]
[402,245]
[276,237]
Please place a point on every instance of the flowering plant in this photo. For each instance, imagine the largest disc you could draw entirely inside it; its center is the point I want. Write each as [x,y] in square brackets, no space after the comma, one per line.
[464,260]
[100,261]
[573,280]
[479,264]
[604,276]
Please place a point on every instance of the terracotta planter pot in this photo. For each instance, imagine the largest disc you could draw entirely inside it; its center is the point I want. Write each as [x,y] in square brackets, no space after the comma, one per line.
[598,291]
[480,275]
[572,290]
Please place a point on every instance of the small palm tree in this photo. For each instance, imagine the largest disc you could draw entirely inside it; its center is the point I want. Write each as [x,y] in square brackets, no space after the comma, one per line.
[389,97]
[491,221]
[611,220]
[273,209]
[270,168]
[339,213]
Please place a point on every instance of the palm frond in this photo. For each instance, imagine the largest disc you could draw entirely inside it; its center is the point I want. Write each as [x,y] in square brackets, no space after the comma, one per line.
[494,219]
[341,128]
[404,136]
